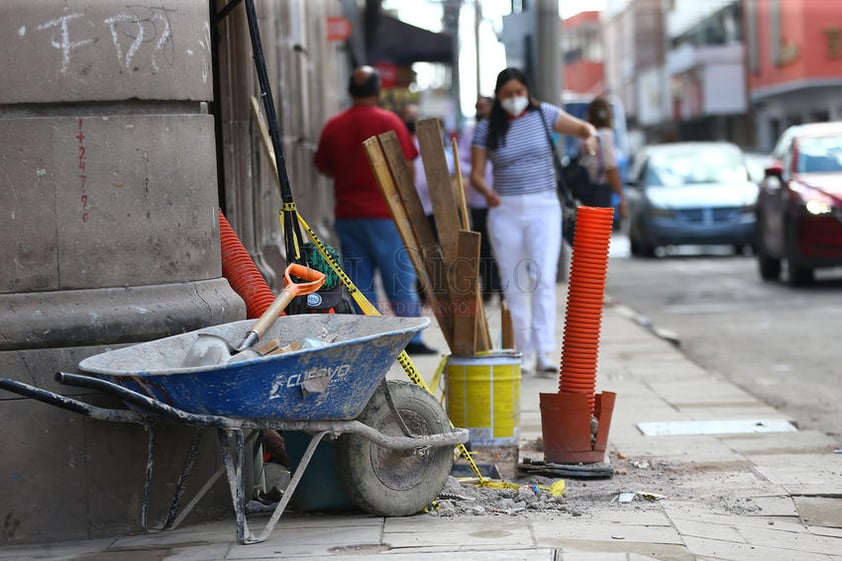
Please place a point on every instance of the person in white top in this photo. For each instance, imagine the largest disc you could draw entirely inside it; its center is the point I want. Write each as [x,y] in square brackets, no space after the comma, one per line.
[524,217]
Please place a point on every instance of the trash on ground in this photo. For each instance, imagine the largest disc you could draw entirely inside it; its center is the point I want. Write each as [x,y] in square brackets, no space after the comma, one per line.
[629,496]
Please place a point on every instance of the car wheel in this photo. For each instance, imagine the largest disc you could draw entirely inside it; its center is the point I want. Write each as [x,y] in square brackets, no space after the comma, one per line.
[743,249]
[634,246]
[770,267]
[796,274]
[389,482]
[638,246]
[641,248]
[801,276]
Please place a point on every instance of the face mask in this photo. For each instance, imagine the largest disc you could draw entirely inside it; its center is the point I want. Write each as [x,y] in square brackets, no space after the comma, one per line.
[514,106]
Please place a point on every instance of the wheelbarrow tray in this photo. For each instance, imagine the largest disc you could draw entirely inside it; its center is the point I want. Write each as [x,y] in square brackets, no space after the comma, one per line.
[331,382]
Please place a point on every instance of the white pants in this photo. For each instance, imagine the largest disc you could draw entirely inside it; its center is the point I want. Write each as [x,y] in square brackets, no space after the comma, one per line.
[525,233]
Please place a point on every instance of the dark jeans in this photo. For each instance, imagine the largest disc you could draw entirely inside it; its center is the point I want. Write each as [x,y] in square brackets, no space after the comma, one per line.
[370,245]
[597,196]
[488,274]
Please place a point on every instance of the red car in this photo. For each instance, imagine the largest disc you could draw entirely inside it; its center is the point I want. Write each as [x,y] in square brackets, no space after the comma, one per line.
[799,205]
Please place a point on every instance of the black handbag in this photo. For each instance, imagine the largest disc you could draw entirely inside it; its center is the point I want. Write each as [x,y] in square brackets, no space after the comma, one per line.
[569,201]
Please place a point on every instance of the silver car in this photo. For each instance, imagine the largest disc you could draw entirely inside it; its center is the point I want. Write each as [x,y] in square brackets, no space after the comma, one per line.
[690,193]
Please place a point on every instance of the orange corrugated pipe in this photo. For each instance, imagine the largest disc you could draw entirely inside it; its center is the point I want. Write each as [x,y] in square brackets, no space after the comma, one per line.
[585,296]
[242,274]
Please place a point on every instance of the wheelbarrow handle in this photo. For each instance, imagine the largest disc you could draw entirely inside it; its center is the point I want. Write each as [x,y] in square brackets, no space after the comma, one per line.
[291,289]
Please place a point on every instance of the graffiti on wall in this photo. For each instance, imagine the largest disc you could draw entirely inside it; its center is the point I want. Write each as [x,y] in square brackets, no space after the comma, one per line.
[138,33]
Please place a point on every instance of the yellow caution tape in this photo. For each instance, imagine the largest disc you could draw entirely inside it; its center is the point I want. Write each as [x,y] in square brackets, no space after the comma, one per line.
[498,484]
[434,383]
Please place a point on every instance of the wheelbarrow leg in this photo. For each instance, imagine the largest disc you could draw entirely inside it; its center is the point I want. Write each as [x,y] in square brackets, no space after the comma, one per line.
[233,458]
[184,478]
[147,482]
[288,492]
[174,517]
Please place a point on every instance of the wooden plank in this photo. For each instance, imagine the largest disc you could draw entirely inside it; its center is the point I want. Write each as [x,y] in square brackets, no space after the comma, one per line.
[393,175]
[459,187]
[445,207]
[507,337]
[464,279]
[483,337]
[484,342]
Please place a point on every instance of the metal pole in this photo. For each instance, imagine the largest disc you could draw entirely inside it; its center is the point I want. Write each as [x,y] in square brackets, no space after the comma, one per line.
[477,20]
[548,31]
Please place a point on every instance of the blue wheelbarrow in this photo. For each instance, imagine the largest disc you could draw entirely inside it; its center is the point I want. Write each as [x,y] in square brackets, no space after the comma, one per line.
[324,375]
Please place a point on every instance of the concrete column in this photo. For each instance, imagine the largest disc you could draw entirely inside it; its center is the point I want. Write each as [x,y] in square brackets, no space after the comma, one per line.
[108,216]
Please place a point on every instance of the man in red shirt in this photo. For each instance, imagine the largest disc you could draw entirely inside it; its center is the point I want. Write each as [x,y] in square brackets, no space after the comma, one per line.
[369,240]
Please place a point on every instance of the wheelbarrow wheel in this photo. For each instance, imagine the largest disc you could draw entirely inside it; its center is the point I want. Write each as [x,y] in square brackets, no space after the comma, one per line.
[389,482]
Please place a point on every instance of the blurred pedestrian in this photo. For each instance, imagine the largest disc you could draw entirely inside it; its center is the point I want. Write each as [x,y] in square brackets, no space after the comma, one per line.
[489,275]
[524,217]
[603,170]
[369,240]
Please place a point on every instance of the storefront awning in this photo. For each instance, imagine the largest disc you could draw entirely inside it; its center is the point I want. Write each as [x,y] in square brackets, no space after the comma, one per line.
[401,43]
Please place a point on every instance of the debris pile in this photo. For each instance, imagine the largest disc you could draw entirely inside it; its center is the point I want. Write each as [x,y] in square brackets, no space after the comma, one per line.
[457,499]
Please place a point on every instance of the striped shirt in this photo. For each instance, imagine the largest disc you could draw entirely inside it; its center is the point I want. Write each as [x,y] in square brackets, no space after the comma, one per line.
[522,160]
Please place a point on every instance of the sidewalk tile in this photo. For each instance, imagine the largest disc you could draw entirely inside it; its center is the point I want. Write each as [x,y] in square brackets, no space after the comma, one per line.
[780,443]
[220,531]
[702,390]
[63,551]
[510,532]
[312,540]
[698,529]
[706,450]
[555,534]
[800,469]
[466,555]
[694,512]
[730,551]
[802,541]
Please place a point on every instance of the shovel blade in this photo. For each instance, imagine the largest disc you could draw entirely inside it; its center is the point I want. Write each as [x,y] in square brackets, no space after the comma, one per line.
[207,350]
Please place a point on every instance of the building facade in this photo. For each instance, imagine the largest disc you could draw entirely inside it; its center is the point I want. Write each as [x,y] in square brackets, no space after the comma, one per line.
[793,63]
[124,130]
[737,70]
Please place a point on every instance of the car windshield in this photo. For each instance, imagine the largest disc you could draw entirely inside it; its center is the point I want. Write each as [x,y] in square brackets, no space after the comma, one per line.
[819,154]
[699,165]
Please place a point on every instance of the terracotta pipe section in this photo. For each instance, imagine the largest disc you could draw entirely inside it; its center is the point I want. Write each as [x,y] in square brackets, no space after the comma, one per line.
[585,296]
[243,275]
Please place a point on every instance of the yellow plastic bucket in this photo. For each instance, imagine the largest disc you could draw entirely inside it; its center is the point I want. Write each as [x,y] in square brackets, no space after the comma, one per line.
[483,396]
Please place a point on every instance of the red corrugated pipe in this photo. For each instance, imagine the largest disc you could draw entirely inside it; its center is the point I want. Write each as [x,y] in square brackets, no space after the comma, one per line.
[585,295]
[243,275]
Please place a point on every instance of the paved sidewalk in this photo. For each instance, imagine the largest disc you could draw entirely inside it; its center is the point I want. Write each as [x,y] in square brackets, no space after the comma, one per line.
[766,496]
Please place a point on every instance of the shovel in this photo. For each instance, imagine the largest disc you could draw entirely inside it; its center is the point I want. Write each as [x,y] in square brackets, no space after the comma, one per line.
[210,349]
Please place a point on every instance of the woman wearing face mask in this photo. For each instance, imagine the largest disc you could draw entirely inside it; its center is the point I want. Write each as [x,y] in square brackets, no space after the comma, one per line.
[524,219]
